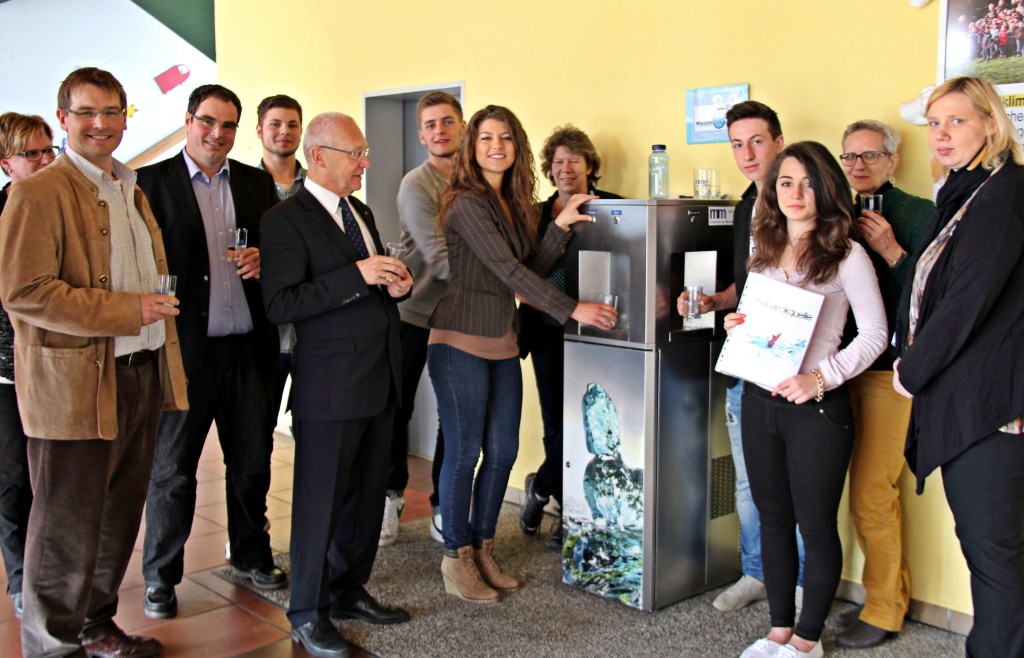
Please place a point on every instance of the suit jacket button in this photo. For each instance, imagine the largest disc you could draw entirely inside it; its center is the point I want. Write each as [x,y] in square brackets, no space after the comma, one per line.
[104,231]
[103,204]
[103,278]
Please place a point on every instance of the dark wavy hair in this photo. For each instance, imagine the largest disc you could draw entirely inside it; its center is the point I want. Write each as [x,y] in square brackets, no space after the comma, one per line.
[578,143]
[829,241]
[519,184]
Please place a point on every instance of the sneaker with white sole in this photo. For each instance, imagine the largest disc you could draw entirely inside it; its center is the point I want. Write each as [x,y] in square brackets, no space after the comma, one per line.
[763,648]
[435,525]
[394,504]
[742,593]
[789,651]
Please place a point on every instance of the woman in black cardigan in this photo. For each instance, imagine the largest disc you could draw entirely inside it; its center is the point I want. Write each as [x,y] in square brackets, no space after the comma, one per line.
[961,338]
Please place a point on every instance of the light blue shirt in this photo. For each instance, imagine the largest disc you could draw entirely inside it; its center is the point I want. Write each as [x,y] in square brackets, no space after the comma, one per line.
[229,310]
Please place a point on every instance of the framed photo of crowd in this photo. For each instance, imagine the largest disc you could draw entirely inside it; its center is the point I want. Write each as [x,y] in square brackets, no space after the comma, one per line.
[985,38]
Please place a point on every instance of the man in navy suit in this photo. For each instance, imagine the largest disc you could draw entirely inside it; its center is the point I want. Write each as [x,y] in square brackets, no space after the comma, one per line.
[229,349]
[324,270]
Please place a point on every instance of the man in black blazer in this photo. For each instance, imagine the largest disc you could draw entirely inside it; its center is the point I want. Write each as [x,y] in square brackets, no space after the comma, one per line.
[324,270]
[229,349]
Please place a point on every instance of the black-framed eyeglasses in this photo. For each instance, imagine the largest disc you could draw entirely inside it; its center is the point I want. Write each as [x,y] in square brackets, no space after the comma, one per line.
[358,155]
[210,124]
[869,157]
[35,155]
[110,113]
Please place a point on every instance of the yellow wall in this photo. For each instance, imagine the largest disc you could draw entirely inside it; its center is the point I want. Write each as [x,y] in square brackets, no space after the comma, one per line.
[619,70]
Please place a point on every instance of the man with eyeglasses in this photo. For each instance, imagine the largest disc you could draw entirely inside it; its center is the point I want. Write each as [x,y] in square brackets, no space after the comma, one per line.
[97,356]
[325,271]
[229,348]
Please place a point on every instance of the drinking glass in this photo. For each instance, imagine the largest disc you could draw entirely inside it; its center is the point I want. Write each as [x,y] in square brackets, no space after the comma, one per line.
[167,284]
[872,202]
[397,250]
[237,244]
[693,298]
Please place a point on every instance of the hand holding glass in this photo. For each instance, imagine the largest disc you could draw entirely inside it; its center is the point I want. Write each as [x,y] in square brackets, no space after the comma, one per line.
[694,296]
[167,284]
[238,240]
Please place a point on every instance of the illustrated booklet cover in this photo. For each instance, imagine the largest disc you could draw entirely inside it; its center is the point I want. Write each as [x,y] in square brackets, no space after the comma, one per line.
[770,344]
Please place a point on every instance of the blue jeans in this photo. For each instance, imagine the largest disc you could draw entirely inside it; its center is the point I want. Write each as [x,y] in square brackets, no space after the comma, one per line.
[480,402]
[750,521]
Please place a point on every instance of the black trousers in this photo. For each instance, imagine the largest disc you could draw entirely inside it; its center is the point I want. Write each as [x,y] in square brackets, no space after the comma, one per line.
[414,359]
[234,393]
[797,457]
[985,489]
[15,489]
[548,352]
[85,518]
[337,509]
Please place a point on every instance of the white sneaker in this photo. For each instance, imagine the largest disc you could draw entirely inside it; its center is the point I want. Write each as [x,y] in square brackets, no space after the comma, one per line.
[762,648]
[393,506]
[743,592]
[789,651]
[435,525]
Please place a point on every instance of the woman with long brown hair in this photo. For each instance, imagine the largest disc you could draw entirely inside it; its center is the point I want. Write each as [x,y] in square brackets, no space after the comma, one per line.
[489,217]
[797,436]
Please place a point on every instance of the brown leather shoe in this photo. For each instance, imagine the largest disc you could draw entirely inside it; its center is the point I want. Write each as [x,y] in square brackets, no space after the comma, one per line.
[462,578]
[119,645]
[492,574]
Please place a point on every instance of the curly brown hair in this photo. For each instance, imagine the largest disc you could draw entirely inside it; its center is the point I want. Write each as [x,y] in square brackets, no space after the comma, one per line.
[577,142]
[519,184]
[835,227]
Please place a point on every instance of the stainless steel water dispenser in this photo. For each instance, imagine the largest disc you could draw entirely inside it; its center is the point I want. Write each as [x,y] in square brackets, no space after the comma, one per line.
[648,491]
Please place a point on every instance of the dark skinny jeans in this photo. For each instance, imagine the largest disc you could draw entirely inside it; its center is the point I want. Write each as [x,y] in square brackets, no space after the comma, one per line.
[797,456]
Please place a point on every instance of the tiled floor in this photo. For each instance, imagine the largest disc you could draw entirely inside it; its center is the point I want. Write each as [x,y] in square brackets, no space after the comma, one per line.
[216,618]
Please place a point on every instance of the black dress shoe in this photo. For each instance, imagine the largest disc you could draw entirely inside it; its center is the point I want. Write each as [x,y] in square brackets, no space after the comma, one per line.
[18,609]
[159,602]
[321,638]
[847,617]
[366,608]
[861,635]
[263,578]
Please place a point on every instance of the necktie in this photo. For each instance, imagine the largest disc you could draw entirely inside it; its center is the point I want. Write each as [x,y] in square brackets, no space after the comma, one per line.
[352,229]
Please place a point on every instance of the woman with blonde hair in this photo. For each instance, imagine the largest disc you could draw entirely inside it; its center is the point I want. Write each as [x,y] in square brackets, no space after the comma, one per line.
[26,146]
[489,217]
[959,336]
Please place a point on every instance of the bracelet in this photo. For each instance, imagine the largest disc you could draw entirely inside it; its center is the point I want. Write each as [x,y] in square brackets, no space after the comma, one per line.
[821,385]
[902,257]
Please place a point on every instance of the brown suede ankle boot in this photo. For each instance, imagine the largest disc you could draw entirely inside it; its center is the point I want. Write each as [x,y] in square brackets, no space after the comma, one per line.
[483,555]
[462,578]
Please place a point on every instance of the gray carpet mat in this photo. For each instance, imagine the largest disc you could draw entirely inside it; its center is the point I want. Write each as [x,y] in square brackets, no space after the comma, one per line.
[549,618]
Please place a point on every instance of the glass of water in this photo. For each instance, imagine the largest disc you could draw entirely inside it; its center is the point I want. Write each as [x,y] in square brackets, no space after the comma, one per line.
[238,240]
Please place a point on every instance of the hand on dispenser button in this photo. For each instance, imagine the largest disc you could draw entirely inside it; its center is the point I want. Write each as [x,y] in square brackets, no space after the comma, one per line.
[601,316]
[571,213]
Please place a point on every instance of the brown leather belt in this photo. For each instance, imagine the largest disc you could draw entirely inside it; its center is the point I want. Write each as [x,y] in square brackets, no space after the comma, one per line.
[135,359]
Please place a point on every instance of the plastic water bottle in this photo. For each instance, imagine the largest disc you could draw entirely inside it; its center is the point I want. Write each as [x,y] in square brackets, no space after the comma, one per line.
[657,172]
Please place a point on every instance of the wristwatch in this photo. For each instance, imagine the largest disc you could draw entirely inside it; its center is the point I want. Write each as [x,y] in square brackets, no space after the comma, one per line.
[899,259]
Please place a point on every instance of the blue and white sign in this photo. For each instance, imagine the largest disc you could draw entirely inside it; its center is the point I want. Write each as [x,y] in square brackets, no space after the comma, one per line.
[705,112]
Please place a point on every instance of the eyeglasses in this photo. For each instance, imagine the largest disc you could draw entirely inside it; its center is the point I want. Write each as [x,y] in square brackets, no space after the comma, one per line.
[358,155]
[35,155]
[109,113]
[210,124]
[869,157]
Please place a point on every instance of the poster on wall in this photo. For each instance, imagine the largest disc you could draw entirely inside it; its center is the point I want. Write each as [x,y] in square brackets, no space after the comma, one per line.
[705,112]
[985,38]
[159,61]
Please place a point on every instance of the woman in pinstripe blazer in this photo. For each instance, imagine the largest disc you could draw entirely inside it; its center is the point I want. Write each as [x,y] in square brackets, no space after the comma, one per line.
[489,216]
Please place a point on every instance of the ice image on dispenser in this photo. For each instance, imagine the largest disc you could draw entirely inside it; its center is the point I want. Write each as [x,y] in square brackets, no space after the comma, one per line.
[603,549]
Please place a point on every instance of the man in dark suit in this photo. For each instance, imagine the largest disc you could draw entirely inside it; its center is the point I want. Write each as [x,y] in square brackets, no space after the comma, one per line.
[325,272]
[229,349]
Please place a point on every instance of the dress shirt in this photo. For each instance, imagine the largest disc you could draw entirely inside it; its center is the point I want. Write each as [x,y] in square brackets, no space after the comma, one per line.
[330,201]
[132,265]
[229,310]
